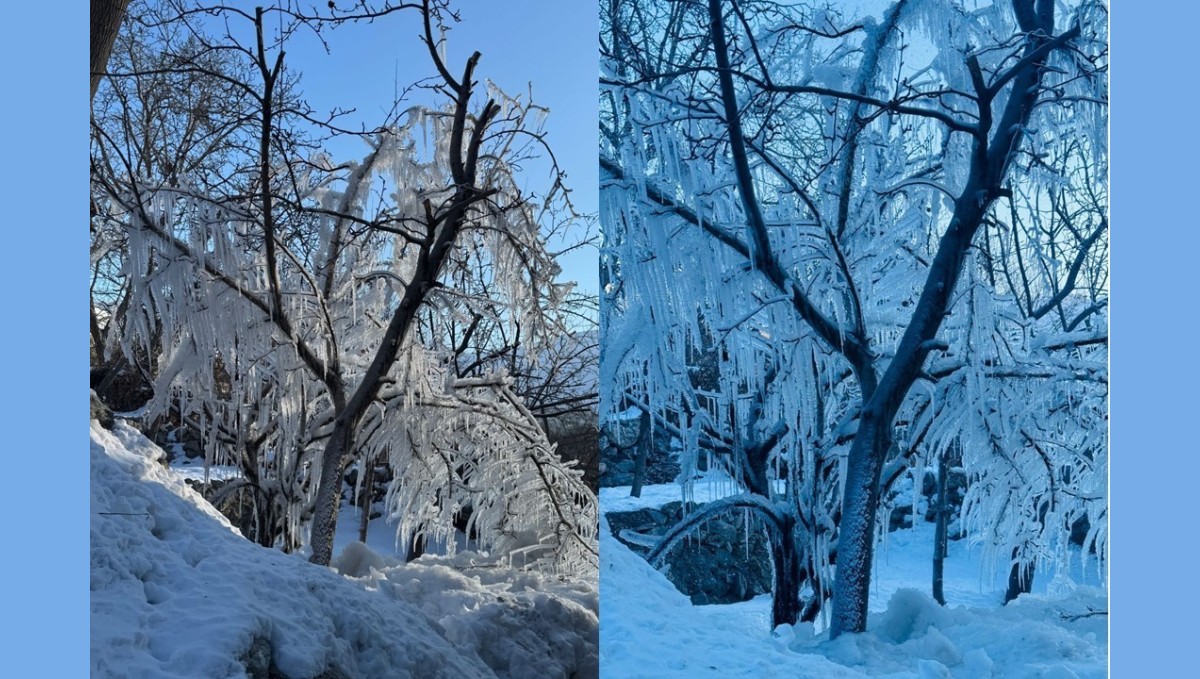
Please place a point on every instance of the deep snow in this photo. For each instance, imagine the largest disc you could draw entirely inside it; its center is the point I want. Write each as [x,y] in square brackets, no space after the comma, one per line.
[650,629]
[176,592]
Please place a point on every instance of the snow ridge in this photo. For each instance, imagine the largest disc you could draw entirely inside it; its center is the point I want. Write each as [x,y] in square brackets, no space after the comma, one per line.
[177,592]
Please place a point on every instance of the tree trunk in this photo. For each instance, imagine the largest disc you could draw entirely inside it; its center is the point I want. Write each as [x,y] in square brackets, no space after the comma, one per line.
[941,518]
[989,164]
[1020,578]
[856,533]
[368,488]
[785,562]
[106,21]
[643,451]
[1020,575]
[329,491]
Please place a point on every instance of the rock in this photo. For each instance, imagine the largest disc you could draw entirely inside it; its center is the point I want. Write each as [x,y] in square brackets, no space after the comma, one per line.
[101,412]
[257,659]
[901,517]
[723,534]
[1079,532]
[259,663]
[120,384]
[719,563]
[618,463]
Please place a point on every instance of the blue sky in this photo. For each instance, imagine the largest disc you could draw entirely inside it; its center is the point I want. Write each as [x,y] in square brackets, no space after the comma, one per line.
[551,45]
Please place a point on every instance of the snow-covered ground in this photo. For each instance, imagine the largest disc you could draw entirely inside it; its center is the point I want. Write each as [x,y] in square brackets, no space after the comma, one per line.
[176,592]
[649,629]
[195,469]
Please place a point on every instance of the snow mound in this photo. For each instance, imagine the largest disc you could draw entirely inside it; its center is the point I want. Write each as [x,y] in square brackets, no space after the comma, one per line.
[177,592]
[649,629]
[522,624]
[910,613]
[1036,636]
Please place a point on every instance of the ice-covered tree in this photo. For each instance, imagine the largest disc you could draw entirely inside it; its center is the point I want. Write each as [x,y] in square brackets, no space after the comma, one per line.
[810,188]
[163,125]
[284,295]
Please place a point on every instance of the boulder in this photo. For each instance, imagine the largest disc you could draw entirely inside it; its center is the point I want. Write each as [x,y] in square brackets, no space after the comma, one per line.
[101,412]
[719,564]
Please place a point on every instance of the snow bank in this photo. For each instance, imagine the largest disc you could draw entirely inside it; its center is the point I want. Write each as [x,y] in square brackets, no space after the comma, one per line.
[176,592]
[649,629]
[1036,636]
[520,624]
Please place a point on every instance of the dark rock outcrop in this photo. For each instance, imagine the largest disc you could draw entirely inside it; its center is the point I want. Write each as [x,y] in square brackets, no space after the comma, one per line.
[720,563]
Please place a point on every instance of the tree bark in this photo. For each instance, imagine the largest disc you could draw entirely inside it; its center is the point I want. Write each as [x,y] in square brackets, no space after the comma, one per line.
[785,561]
[856,533]
[643,451]
[368,490]
[342,442]
[106,21]
[329,492]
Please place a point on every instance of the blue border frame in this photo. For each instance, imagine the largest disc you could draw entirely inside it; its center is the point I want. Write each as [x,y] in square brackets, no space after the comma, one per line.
[45,545]
[1155,245]
[1154,466]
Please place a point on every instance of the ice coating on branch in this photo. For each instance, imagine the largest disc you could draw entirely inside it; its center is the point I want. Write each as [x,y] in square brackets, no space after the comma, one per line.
[260,389]
[856,199]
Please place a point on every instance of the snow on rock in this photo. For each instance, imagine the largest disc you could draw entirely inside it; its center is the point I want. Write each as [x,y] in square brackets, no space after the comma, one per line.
[651,630]
[909,614]
[177,592]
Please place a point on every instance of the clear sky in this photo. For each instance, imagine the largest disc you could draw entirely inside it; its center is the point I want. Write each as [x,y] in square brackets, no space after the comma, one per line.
[551,45]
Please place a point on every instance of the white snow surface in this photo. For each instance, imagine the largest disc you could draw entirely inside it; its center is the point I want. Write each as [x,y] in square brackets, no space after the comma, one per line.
[177,592]
[191,468]
[650,629]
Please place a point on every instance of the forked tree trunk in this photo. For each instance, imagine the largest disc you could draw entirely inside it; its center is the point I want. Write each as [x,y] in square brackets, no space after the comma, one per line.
[990,160]
[442,232]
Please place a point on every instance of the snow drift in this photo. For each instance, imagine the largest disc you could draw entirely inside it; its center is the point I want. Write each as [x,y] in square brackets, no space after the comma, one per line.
[651,630]
[177,592]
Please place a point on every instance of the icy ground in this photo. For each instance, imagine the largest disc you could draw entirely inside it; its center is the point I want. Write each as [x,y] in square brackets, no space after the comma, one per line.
[176,592]
[649,629]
